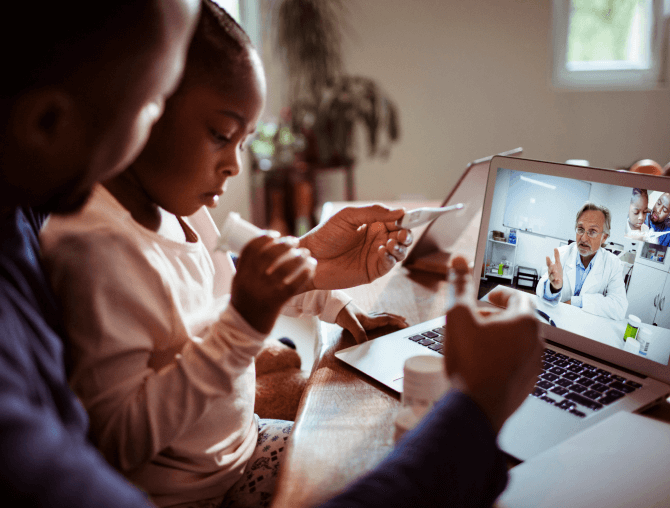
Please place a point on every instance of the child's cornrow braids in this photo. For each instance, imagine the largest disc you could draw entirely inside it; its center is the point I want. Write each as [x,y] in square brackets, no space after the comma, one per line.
[218,47]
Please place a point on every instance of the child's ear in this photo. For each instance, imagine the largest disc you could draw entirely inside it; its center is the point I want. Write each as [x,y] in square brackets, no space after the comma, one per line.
[45,121]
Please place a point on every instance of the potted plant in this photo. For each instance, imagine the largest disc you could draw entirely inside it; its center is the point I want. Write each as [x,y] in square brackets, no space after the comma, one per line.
[326,105]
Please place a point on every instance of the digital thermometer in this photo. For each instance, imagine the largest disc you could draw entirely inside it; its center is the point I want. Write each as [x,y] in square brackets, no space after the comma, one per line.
[420,216]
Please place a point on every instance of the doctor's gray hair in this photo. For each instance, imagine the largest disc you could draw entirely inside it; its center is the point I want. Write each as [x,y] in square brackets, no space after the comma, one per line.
[596,208]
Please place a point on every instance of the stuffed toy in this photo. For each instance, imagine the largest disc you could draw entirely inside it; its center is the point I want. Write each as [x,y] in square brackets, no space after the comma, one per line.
[279,380]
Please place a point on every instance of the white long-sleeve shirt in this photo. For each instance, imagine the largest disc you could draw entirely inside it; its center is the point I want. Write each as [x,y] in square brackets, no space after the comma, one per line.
[162,363]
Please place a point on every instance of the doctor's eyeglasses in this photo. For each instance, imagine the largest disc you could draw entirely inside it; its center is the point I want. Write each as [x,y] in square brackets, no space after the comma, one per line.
[592,233]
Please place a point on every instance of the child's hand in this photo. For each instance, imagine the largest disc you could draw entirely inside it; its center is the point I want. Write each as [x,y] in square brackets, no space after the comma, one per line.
[270,270]
[357,321]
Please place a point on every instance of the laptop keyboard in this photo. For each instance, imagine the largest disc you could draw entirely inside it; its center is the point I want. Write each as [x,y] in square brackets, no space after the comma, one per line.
[567,383]
[573,385]
[432,339]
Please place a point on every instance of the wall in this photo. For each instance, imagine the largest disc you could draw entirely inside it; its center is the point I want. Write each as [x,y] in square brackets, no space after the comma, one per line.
[472,77]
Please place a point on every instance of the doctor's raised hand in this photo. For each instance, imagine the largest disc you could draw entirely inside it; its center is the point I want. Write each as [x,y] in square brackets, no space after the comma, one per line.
[493,356]
[356,245]
[555,271]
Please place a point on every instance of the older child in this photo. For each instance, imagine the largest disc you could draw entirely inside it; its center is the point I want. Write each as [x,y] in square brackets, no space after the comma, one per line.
[162,357]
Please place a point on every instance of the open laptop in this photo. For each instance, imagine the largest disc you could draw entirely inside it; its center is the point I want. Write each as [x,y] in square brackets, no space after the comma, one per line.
[515,192]
[383,358]
[432,249]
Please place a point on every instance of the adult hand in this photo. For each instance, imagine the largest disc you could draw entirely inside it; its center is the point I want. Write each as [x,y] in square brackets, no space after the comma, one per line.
[555,271]
[491,355]
[357,321]
[356,246]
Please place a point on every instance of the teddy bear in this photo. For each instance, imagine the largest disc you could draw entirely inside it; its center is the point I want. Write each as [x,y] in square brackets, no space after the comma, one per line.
[280,381]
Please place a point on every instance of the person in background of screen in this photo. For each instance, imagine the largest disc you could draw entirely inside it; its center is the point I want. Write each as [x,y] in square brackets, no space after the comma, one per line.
[658,221]
[637,213]
[584,274]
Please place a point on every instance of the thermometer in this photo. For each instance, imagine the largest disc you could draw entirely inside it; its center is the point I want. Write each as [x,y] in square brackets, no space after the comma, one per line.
[420,216]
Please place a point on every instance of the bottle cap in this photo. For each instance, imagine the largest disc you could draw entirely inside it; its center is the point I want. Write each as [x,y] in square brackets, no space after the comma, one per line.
[634,320]
[236,233]
[424,383]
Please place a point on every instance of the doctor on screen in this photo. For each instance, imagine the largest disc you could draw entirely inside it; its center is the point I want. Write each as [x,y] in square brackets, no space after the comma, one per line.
[584,274]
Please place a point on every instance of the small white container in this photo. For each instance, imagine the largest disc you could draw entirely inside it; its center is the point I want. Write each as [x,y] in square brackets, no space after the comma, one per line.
[236,233]
[424,382]
[632,346]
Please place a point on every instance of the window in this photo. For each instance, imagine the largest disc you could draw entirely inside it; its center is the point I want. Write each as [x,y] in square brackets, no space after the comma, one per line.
[610,44]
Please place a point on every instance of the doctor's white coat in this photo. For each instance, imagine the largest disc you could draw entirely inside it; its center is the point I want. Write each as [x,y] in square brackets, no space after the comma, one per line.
[603,292]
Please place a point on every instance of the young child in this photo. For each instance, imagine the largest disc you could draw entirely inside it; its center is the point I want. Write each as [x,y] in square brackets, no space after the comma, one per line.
[163,330]
[637,213]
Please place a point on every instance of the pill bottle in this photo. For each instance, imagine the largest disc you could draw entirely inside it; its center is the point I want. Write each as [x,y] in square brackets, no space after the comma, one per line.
[236,233]
[632,327]
[644,336]
[632,346]
[424,383]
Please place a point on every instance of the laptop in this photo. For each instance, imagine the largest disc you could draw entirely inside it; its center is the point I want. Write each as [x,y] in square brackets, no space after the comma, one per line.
[584,351]
[383,358]
[586,470]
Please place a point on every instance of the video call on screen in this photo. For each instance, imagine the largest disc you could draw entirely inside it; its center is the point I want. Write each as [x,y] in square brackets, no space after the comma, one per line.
[624,289]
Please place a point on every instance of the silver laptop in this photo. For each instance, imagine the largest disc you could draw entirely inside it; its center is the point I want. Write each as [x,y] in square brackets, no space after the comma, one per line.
[383,358]
[590,376]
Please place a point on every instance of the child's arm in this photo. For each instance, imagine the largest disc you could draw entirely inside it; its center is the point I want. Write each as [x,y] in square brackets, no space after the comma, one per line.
[120,317]
[358,322]
[337,307]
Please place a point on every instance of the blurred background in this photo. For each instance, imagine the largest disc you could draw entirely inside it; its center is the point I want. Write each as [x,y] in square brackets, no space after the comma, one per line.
[394,98]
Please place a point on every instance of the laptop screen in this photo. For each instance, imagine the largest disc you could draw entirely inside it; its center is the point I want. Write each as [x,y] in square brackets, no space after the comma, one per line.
[595,255]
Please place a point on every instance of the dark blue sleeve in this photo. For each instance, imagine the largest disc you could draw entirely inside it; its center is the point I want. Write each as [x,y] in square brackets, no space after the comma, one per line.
[46,460]
[450,459]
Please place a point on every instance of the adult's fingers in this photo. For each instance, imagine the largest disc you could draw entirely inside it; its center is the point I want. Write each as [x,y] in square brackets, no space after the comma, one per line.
[500,296]
[519,306]
[359,215]
[458,275]
[557,256]
[405,237]
[386,260]
[396,249]
[548,262]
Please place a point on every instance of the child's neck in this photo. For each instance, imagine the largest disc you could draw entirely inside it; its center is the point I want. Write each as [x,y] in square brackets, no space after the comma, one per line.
[132,196]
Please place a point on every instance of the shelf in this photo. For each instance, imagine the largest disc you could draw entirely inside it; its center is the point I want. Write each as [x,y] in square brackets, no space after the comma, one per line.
[504,243]
[496,274]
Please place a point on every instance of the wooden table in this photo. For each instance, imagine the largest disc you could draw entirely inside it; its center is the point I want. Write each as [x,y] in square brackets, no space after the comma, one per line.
[345,421]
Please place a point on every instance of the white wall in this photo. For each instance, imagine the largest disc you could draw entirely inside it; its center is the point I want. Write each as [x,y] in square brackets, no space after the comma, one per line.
[472,78]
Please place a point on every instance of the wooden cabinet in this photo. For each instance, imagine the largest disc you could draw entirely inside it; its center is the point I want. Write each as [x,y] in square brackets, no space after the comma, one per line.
[281,194]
